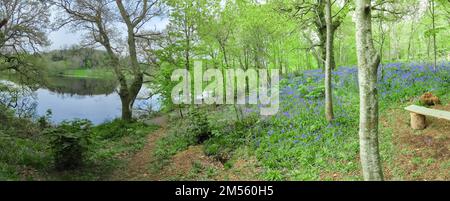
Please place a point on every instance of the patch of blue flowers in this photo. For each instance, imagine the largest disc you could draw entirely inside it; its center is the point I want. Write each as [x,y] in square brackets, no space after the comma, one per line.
[299,138]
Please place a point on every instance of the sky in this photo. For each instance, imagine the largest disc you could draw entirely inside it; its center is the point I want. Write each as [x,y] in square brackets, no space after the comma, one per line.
[65,37]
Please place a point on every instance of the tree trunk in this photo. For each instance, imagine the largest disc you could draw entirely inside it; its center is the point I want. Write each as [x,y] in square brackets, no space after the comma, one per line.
[323,48]
[129,95]
[236,111]
[428,48]
[433,17]
[328,65]
[382,40]
[331,44]
[411,36]
[127,114]
[368,62]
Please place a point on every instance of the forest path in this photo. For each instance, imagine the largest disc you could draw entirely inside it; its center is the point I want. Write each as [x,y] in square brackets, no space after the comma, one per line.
[183,165]
[138,167]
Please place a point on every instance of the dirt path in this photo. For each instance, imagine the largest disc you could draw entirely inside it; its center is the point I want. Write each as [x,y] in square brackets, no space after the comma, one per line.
[182,166]
[138,167]
[419,155]
[193,165]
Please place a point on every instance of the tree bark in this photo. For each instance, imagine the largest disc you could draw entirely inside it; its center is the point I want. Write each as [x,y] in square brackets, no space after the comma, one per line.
[138,77]
[328,65]
[368,62]
[127,112]
[433,17]
[323,48]
[382,41]
[411,36]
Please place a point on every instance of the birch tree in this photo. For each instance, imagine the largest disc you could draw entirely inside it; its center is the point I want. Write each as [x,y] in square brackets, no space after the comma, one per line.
[368,62]
[329,63]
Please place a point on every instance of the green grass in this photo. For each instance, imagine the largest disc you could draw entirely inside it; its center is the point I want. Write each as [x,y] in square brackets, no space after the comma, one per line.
[112,145]
[326,151]
[88,73]
[19,154]
[173,143]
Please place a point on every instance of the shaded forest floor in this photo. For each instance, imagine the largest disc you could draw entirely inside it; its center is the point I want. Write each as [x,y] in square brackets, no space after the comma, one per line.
[418,155]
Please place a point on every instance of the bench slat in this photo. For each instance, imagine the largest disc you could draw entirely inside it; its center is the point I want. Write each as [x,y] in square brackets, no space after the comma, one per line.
[429,112]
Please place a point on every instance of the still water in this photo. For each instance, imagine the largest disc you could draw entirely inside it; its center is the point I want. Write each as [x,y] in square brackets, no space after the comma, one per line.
[85,98]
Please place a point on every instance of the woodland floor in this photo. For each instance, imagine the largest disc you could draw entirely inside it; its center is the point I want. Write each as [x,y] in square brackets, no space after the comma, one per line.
[191,164]
[419,155]
[137,167]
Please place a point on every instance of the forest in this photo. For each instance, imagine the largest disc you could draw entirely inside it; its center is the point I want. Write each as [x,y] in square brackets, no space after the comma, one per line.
[179,90]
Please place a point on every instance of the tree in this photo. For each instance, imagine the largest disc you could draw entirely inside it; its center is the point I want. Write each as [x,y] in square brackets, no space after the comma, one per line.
[390,11]
[368,62]
[183,25]
[328,64]
[432,9]
[23,30]
[99,18]
[23,26]
[312,13]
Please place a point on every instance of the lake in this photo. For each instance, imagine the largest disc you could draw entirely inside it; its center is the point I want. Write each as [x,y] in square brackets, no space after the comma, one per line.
[83,98]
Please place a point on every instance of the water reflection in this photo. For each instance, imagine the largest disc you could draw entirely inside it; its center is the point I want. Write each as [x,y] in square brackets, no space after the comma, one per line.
[81,98]
[81,86]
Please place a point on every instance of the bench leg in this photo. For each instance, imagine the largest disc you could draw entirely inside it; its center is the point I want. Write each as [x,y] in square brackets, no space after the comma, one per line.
[418,121]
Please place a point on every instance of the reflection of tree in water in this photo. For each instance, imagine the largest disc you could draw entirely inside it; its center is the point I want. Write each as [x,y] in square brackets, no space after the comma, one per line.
[21,99]
[81,86]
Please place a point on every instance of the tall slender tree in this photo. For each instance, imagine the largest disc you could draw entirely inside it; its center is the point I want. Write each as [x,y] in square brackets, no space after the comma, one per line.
[329,63]
[368,62]
[432,8]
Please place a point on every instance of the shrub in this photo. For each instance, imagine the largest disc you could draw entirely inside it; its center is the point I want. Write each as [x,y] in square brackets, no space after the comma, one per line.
[69,143]
[5,116]
[118,129]
[175,141]
[228,136]
[198,127]
[45,121]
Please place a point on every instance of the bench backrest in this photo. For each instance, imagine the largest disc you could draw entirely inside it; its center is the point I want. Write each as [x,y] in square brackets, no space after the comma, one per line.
[429,112]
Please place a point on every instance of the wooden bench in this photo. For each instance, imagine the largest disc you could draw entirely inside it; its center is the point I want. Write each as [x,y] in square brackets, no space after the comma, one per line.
[418,116]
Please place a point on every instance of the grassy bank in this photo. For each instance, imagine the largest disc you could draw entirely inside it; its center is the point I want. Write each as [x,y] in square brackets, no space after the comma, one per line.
[27,152]
[89,73]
